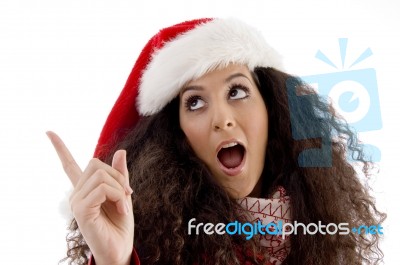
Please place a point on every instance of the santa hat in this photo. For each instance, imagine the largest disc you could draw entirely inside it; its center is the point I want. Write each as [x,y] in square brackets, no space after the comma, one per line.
[176,55]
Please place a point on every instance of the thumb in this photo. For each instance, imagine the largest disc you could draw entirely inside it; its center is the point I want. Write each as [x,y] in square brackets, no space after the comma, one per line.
[119,163]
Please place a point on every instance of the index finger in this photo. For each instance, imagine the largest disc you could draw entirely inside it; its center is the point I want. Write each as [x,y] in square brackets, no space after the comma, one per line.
[69,164]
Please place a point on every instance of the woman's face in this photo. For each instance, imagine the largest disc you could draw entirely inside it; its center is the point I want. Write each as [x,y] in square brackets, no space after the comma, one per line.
[225,121]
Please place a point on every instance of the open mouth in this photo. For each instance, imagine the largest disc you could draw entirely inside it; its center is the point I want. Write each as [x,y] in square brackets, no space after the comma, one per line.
[231,157]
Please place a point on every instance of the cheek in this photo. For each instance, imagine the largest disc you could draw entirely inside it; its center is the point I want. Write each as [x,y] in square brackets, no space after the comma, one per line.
[257,124]
[261,127]
[196,134]
[257,136]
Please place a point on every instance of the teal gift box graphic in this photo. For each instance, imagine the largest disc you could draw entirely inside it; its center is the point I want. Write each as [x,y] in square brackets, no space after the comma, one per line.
[353,94]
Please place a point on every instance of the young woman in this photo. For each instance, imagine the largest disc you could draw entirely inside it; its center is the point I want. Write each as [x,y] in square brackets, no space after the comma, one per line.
[209,129]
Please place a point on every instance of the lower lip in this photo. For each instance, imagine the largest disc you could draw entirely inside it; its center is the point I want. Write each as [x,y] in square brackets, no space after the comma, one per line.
[233,171]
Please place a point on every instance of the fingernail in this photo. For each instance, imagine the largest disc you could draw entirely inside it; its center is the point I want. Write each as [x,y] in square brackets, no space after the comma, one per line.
[128,190]
[48,133]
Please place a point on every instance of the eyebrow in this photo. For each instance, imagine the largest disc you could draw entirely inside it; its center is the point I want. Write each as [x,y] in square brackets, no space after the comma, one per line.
[227,80]
[233,76]
[198,88]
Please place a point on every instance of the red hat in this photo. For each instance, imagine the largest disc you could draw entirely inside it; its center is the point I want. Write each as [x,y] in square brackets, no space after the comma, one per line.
[176,55]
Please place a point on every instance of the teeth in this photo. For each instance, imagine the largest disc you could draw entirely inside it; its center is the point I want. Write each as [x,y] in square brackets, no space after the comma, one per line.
[229,145]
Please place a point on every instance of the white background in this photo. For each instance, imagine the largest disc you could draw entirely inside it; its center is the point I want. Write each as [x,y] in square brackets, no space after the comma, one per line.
[63,63]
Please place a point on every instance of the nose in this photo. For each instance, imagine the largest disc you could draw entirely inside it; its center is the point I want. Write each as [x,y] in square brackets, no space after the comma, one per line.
[223,118]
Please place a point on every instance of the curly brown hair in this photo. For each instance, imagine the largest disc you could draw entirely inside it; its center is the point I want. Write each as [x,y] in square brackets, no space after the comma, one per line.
[171,185]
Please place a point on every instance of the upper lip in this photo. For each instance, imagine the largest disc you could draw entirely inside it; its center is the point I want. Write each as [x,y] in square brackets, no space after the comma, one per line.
[223,144]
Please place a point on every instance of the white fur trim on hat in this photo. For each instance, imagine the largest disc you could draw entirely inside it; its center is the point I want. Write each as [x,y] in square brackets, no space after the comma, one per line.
[208,46]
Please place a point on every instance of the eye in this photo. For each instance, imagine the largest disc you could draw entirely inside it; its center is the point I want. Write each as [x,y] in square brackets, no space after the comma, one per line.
[194,103]
[238,92]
